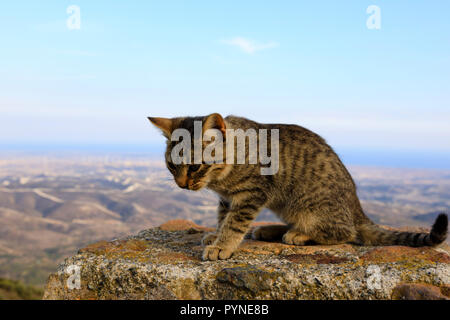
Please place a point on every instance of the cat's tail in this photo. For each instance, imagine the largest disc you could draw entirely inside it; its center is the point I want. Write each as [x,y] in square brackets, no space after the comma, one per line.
[372,235]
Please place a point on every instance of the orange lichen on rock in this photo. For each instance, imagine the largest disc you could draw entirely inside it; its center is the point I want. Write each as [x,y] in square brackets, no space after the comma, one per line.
[417,291]
[180,225]
[128,249]
[401,253]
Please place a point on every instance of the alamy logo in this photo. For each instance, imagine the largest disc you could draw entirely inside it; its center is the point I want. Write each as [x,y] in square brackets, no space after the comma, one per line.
[374,277]
[374,20]
[74,279]
[235,147]
[74,20]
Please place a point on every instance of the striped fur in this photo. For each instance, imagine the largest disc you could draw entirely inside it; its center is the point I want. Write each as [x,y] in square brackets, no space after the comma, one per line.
[313,193]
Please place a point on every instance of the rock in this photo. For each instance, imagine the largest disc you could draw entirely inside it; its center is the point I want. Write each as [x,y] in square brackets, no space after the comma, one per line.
[248,277]
[417,291]
[398,253]
[165,263]
[180,224]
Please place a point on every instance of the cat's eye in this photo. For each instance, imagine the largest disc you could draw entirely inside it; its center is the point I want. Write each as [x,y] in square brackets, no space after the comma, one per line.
[194,168]
[171,166]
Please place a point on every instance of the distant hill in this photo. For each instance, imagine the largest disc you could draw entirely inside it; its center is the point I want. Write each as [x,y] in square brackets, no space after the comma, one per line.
[427,218]
[50,207]
[16,290]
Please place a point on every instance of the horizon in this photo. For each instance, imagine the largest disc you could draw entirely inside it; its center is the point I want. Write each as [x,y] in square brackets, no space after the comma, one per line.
[385,158]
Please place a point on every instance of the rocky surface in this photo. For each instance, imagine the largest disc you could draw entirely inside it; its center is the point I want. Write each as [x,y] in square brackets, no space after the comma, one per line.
[165,263]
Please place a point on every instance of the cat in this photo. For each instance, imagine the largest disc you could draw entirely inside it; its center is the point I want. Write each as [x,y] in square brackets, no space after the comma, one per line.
[312,192]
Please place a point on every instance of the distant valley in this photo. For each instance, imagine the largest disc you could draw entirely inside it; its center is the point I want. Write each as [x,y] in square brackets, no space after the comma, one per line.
[52,205]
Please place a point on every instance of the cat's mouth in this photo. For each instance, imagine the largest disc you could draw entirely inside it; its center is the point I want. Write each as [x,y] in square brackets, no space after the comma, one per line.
[190,184]
[196,186]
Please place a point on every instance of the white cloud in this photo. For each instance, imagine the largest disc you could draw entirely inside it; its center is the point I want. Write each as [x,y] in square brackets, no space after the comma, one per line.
[249,46]
[79,53]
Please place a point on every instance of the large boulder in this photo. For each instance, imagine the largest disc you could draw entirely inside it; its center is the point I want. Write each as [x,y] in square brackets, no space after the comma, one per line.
[165,263]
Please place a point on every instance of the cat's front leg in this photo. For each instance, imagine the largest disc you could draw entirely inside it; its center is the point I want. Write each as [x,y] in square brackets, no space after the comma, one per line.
[222,211]
[235,225]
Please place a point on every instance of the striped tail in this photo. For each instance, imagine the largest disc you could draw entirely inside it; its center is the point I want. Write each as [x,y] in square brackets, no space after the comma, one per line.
[372,235]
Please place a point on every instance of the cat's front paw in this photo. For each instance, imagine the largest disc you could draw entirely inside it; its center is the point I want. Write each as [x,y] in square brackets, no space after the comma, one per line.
[209,238]
[215,252]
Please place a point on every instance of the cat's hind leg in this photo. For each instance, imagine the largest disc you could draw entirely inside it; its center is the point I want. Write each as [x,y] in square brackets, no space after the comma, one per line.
[327,223]
[329,227]
[295,237]
[334,234]
[272,232]
[322,235]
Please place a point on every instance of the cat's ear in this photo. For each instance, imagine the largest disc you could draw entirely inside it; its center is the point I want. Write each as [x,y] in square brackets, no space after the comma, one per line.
[214,121]
[164,124]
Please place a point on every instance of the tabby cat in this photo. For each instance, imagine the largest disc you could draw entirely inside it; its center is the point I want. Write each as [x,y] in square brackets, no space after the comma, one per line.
[312,192]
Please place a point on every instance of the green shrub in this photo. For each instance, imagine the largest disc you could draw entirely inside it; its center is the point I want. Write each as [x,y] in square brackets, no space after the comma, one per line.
[16,290]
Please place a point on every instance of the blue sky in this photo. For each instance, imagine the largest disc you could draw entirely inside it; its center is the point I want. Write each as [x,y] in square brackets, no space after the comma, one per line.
[313,63]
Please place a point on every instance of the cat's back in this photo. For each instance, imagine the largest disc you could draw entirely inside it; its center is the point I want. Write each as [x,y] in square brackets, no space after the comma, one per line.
[290,134]
[303,156]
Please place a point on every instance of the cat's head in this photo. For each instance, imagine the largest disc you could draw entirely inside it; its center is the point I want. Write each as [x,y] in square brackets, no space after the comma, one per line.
[192,176]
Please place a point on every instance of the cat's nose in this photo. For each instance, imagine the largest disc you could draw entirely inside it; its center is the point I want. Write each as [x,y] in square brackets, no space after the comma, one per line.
[182,182]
